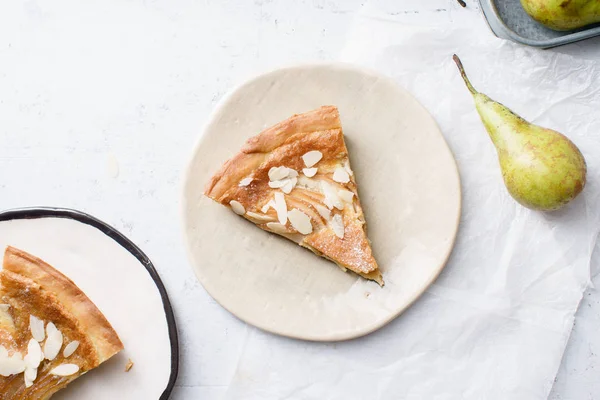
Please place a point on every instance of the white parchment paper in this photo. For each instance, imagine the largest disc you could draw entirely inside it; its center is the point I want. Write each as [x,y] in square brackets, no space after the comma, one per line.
[496,322]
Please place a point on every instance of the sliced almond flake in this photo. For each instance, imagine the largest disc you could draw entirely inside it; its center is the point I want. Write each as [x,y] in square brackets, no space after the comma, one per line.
[51,328]
[261,218]
[70,348]
[340,175]
[323,211]
[300,221]
[11,366]
[30,374]
[36,326]
[281,208]
[276,227]
[289,186]
[3,352]
[292,173]
[53,343]
[312,157]
[346,195]
[266,207]
[34,354]
[18,355]
[237,207]
[347,168]
[337,224]
[65,370]
[332,199]
[310,172]
[278,184]
[246,181]
[278,173]
[28,382]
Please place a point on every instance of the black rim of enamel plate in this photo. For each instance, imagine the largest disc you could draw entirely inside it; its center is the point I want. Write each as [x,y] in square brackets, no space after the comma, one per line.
[50,212]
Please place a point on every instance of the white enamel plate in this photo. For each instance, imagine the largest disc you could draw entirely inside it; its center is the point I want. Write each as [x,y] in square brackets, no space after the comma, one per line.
[123,284]
[408,184]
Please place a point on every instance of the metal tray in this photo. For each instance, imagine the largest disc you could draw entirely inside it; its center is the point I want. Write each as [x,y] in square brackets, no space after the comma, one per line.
[508,20]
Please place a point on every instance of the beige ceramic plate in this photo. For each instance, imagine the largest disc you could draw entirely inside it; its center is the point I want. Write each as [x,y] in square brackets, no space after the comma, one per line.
[408,184]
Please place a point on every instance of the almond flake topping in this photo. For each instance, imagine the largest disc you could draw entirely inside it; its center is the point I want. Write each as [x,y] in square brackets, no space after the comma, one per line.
[341,175]
[310,172]
[30,376]
[246,181]
[290,185]
[278,173]
[332,199]
[276,227]
[346,195]
[300,221]
[260,218]
[34,355]
[53,343]
[65,370]
[283,178]
[323,211]
[237,207]
[36,326]
[278,184]
[12,365]
[266,207]
[337,224]
[3,352]
[71,348]
[312,157]
[281,208]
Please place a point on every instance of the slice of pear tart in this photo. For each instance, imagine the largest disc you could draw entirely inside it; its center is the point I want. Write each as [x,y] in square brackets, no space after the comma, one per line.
[294,179]
[50,331]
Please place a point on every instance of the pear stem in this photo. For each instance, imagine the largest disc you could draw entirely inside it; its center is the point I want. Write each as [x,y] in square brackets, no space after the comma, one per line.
[464,74]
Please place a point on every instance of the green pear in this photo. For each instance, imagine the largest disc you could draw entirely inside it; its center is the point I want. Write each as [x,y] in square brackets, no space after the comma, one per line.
[563,15]
[542,169]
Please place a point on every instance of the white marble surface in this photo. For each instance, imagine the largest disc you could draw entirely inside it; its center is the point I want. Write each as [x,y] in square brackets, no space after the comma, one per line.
[101,102]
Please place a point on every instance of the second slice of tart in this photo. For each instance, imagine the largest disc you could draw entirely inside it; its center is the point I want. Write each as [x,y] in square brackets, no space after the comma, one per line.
[50,331]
